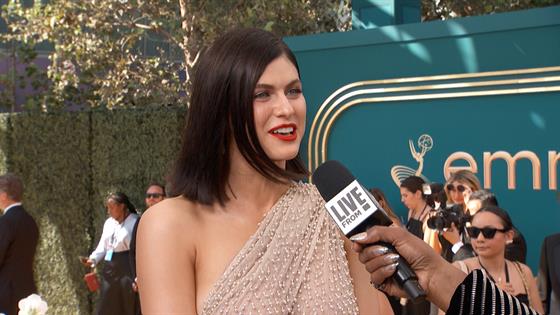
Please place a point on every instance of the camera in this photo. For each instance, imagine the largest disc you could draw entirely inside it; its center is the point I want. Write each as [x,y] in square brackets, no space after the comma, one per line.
[441,219]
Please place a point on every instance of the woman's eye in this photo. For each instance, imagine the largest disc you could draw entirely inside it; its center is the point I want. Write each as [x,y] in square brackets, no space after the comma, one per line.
[294,91]
[262,95]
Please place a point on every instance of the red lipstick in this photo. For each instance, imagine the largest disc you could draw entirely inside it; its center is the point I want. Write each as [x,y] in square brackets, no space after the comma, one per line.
[284,132]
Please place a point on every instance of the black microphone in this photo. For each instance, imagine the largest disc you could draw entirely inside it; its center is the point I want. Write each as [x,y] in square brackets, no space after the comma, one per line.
[354,210]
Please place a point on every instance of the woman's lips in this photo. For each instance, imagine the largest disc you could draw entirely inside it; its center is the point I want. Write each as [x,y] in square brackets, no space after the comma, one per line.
[285,132]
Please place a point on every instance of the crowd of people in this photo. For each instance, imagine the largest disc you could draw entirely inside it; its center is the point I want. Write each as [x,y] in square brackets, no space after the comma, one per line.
[465,225]
[240,232]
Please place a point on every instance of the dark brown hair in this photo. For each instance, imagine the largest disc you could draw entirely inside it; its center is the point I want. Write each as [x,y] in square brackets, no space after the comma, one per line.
[158,185]
[500,213]
[380,197]
[221,111]
[414,184]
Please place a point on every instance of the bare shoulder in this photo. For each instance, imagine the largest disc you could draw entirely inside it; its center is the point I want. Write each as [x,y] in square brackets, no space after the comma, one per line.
[166,255]
[171,211]
[173,217]
[526,270]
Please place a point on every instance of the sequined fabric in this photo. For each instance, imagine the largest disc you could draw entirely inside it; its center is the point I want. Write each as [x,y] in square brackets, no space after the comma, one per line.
[295,263]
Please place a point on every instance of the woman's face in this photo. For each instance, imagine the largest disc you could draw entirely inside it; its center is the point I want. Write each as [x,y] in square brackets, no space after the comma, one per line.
[459,192]
[279,109]
[115,210]
[489,247]
[409,199]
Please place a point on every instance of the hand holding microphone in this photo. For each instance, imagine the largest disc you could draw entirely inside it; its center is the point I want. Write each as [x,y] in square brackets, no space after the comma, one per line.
[354,210]
[435,275]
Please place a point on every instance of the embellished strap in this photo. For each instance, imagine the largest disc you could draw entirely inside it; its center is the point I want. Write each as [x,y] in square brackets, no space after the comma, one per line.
[524,280]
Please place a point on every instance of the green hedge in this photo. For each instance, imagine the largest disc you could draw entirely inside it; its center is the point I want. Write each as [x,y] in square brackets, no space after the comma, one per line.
[69,162]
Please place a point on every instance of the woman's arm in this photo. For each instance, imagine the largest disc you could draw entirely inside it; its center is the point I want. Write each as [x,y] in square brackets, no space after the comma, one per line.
[533,290]
[97,255]
[165,260]
[370,300]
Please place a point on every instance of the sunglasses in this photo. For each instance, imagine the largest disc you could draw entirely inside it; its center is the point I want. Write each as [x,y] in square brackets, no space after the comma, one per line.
[460,188]
[154,195]
[487,232]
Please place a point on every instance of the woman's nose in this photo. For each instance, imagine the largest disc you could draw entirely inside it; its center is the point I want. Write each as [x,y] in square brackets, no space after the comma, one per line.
[283,106]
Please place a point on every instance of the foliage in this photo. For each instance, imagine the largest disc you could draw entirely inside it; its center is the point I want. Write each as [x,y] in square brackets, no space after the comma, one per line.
[57,196]
[28,77]
[101,48]
[446,9]
[68,163]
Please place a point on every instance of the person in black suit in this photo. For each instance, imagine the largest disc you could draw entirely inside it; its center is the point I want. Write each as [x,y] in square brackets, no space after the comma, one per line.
[549,274]
[154,194]
[18,241]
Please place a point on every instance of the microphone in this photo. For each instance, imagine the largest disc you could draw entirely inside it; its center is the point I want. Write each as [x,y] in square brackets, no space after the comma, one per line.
[354,210]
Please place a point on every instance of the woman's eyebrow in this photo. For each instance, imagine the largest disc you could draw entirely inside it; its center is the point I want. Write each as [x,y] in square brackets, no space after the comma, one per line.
[270,86]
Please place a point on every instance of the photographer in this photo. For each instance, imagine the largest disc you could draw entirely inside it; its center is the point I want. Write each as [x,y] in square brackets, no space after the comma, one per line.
[444,217]
[458,189]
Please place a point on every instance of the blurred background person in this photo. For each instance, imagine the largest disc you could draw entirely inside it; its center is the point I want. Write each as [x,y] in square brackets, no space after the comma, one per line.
[154,194]
[549,274]
[384,203]
[460,186]
[117,295]
[490,231]
[380,197]
[18,241]
[441,216]
[437,199]
[414,199]
[458,189]
[515,250]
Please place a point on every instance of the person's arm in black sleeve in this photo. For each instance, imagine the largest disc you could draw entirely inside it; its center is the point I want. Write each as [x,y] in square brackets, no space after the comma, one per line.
[466,251]
[132,256]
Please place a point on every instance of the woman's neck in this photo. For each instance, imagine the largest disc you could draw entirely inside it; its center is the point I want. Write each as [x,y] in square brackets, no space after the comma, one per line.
[419,209]
[494,265]
[121,219]
[251,190]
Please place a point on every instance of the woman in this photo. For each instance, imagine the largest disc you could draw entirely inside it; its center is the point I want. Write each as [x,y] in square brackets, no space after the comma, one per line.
[240,235]
[117,296]
[490,232]
[459,188]
[412,196]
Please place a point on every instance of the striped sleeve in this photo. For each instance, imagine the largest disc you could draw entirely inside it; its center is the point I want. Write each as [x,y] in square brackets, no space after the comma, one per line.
[478,295]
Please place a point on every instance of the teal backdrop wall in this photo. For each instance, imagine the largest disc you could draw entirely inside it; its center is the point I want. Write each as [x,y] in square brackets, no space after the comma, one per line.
[475,85]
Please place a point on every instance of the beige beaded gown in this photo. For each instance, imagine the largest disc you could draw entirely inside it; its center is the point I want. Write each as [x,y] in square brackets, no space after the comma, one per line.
[295,263]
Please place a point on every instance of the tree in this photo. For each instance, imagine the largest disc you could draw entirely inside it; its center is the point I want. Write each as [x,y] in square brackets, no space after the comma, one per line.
[447,9]
[99,56]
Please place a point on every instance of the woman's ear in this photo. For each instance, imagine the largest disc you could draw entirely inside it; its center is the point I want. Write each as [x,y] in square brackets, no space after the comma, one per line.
[509,236]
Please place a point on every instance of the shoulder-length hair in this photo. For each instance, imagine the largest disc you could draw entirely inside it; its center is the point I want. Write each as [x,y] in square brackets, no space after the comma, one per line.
[465,176]
[221,111]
